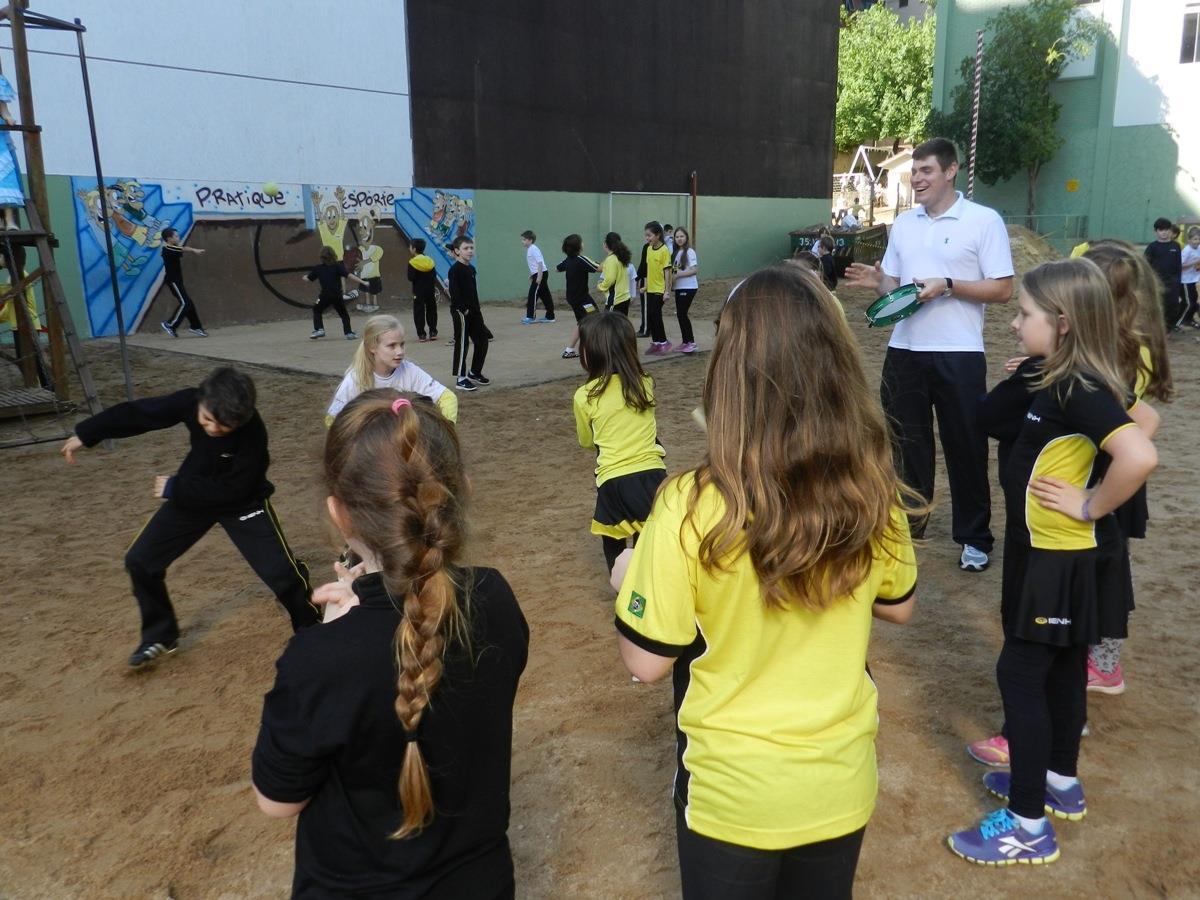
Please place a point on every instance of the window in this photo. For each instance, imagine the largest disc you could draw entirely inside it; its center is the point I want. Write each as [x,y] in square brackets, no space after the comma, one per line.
[1191,24]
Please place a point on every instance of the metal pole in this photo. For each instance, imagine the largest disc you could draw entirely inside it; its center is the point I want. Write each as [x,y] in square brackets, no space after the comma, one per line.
[107,220]
[695,195]
[975,113]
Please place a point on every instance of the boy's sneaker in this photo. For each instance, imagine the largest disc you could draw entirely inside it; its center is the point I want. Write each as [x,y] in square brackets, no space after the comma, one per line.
[689,347]
[169,329]
[570,353]
[198,332]
[479,379]
[1068,804]
[546,320]
[991,752]
[351,336]
[999,840]
[528,320]
[973,559]
[465,384]
[149,652]
[422,339]
[350,295]
[1105,682]
[317,333]
[433,335]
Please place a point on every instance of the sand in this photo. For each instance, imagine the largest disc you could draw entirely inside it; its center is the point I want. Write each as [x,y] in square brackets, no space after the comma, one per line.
[120,784]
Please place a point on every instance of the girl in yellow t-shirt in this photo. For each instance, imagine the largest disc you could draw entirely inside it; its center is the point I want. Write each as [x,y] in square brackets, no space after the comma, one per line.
[756,579]
[614,274]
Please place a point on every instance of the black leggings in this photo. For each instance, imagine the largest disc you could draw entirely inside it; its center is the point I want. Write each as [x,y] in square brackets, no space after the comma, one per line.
[425,313]
[1045,705]
[683,302]
[715,870]
[539,291]
[339,307]
[654,308]
[1190,296]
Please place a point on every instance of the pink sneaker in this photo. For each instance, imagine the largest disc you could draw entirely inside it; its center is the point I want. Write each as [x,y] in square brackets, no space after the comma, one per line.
[990,752]
[1105,683]
[653,350]
[689,347]
[664,347]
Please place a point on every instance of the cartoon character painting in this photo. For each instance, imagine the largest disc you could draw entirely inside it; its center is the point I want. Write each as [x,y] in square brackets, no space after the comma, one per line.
[331,224]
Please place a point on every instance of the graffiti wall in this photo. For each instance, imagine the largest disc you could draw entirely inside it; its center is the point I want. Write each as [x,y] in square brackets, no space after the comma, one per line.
[343,217]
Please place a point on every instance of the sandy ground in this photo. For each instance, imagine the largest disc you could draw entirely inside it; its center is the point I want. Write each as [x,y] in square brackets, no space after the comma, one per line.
[119,784]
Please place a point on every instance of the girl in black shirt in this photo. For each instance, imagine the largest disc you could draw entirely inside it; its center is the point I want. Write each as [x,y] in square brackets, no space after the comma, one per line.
[577,268]
[389,728]
[329,275]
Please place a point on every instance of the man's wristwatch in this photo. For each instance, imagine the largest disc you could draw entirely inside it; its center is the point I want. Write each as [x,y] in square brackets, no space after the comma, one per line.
[949,287]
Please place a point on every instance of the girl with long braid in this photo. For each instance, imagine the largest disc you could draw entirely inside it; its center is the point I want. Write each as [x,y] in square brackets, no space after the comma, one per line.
[389,730]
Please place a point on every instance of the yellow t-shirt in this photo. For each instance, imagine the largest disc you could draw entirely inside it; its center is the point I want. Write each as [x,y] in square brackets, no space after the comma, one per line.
[370,262]
[656,262]
[776,710]
[614,275]
[1146,369]
[333,238]
[625,440]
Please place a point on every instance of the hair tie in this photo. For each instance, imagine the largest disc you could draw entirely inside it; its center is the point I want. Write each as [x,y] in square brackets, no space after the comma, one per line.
[410,736]
[399,404]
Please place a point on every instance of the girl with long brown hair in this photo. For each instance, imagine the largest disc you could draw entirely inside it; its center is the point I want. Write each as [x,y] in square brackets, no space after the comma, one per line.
[389,728]
[756,579]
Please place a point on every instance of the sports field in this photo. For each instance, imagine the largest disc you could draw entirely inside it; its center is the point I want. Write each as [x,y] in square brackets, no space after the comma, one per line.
[120,784]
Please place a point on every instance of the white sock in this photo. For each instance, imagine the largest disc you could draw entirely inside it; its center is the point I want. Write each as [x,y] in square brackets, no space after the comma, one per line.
[1033,826]
[1060,782]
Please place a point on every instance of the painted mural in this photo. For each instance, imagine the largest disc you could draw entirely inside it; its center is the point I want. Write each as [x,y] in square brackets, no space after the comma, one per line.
[345,217]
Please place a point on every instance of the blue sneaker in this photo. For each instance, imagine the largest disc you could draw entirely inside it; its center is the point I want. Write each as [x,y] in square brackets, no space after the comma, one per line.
[1068,804]
[973,559]
[1000,841]
[528,320]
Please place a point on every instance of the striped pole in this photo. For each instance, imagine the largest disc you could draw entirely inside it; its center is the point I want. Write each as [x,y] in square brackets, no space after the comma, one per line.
[975,113]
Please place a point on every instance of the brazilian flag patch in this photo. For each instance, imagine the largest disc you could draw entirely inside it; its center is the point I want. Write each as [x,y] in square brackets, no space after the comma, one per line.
[637,604]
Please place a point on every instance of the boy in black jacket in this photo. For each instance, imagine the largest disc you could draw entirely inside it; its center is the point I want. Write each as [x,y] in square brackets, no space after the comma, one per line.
[222,481]
[468,317]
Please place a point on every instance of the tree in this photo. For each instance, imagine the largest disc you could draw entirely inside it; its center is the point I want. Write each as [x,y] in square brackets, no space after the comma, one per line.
[885,77]
[1025,50]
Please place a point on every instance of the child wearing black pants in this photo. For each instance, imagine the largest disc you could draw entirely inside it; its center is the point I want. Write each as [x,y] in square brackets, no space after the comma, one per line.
[329,274]
[172,256]
[222,481]
[469,327]
[423,276]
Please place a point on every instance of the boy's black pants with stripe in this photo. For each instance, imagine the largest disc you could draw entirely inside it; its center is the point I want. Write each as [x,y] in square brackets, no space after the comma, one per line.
[256,533]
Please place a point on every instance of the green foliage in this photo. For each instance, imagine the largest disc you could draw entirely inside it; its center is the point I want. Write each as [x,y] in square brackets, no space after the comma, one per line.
[1026,47]
[885,77]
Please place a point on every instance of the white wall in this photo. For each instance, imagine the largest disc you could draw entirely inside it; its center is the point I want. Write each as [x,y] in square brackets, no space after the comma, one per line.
[232,90]
[1153,87]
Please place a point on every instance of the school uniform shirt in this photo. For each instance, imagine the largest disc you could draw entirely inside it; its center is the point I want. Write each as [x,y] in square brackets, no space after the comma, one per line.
[1001,412]
[656,262]
[329,277]
[218,475]
[631,270]
[577,269]
[464,294]
[1187,256]
[370,262]
[688,282]
[534,259]
[172,258]
[614,277]
[422,275]
[776,712]
[330,733]
[407,377]
[1166,258]
[624,439]
[967,242]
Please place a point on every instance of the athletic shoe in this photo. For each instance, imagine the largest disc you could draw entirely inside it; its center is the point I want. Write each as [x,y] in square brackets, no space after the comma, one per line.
[149,652]
[528,320]
[465,384]
[642,332]
[350,295]
[1105,683]
[546,320]
[479,379]
[689,347]
[973,559]
[361,308]
[198,332]
[1000,841]
[169,329]
[317,333]
[654,349]
[1068,804]
[422,339]
[991,752]
[570,353]
[351,336]
[433,335]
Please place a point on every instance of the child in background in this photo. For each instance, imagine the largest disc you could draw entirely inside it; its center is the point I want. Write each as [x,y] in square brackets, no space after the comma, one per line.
[467,315]
[614,275]
[614,415]
[389,728]
[1165,256]
[658,265]
[824,248]
[539,287]
[423,275]
[379,363]
[1190,279]
[1063,585]
[577,268]
[329,274]
[685,264]
[756,578]
[172,255]
[222,481]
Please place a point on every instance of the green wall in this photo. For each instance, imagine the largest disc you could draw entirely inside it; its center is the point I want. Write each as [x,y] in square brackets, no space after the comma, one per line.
[66,255]
[735,235]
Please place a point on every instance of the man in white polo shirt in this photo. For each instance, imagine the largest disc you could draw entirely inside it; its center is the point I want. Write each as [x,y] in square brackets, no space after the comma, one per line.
[958,253]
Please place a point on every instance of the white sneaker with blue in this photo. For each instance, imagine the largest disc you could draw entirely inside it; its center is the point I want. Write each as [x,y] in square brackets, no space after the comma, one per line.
[1000,840]
[1067,803]
[973,559]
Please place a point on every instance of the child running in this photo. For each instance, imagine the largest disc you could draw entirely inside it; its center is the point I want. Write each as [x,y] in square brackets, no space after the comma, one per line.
[329,275]
[614,415]
[614,274]
[1063,584]
[222,481]
[467,316]
[684,266]
[577,268]
[756,579]
[423,276]
[389,728]
[172,256]
[658,265]
[379,363]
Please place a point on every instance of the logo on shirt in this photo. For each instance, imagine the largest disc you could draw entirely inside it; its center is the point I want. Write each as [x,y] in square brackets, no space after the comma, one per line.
[257,512]
[1032,418]
[637,605]
[1052,620]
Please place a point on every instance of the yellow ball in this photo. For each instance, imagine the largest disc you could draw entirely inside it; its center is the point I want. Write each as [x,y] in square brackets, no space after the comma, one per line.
[271,189]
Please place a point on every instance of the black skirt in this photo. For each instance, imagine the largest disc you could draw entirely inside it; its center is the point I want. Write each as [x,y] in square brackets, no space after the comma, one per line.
[1133,514]
[1067,597]
[623,503]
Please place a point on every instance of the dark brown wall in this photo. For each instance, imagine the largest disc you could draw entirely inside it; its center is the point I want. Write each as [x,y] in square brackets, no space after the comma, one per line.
[624,96]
